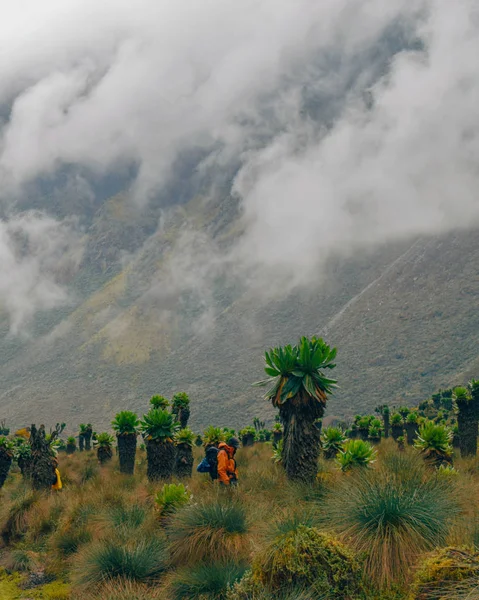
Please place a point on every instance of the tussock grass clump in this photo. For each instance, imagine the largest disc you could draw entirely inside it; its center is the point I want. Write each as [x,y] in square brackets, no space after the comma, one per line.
[137,560]
[16,523]
[206,581]
[68,541]
[392,515]
[215,530]
[447,573]
[121,589]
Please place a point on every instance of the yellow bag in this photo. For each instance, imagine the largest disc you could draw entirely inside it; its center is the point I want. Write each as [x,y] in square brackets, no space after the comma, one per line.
[58,484]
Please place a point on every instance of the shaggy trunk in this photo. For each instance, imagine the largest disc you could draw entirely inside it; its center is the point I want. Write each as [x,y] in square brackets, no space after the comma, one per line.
[455,441]
[161,459]
[43,467]
[25,466]
[248,440]
[386,424]
[301,438]
[71,448]
[183,460]
[277,437]
[412,430]
[396,431]
[183,417]
[353,434]
[88,434]
[81,442]
[5,463]
[364,434]
[330,453]
[467,422]
[127,452]
[104,454]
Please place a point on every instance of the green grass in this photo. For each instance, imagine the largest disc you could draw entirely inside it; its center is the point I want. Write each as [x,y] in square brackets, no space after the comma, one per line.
[206,581]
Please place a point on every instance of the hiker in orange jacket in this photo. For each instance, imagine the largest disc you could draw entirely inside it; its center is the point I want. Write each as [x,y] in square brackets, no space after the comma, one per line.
[227,471]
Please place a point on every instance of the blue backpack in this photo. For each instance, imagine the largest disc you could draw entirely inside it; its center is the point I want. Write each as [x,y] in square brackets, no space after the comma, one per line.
[210,463]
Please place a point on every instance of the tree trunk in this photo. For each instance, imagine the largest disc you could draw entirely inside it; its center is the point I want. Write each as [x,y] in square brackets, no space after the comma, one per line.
[43,466]
[127,452]
[5,464]
[88,434]
[301,438]
[364,434]
[81,442]
[397,431]
[277,437]
[104,454]
[71,448]
[467,423]
[248,440]
[353,434]
[183,460]
[411,432]
[386,424]
[183,417]
[25,465]
[161,459]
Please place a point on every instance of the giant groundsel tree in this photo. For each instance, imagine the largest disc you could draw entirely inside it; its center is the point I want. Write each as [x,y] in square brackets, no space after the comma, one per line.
[299,388]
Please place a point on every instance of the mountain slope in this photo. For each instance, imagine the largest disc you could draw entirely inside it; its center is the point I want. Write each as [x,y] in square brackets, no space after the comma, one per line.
[150,317]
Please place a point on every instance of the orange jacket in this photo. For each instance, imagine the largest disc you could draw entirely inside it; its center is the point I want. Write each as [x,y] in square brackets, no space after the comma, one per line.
[226,464]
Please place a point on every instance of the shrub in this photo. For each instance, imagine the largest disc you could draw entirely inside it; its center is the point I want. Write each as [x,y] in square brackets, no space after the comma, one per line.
[206,581]
[171,497]
[434,442]
[307,557]
[333,440]
[16,523]
[445,573]
[356,453]
[137,560]
[248,588]
[392,515]
[278,452]
[209,530]
[181,400]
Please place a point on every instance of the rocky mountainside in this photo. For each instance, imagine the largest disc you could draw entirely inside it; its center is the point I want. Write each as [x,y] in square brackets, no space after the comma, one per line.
[150,314]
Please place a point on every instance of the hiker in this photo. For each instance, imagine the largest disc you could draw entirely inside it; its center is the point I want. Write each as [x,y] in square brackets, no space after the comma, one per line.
[227,471]
[210,462]
[57,481]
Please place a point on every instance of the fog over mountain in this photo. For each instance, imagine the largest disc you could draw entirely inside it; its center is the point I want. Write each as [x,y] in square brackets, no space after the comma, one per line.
[321,130]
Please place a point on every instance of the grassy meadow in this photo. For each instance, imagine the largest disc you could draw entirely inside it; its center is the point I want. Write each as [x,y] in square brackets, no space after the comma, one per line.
[397,529]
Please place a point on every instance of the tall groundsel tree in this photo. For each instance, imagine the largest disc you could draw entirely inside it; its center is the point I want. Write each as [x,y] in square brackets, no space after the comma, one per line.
[299,389]
[159,427]
[125,425]
[467,402]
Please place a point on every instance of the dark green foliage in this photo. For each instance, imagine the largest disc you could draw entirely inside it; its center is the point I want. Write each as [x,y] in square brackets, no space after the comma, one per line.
[181,408]
[23,456]
[137,560]
[248,436]
[87,436]
[206,581]
[397,425]
[6,457]
[71,445]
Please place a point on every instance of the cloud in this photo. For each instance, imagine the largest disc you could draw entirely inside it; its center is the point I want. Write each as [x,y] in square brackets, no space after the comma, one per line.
[37,255]
[349,122]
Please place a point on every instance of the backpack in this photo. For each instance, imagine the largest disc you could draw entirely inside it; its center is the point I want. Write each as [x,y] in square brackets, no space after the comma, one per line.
[210,463]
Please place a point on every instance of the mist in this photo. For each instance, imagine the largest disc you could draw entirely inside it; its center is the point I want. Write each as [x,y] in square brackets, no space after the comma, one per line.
[349,122]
